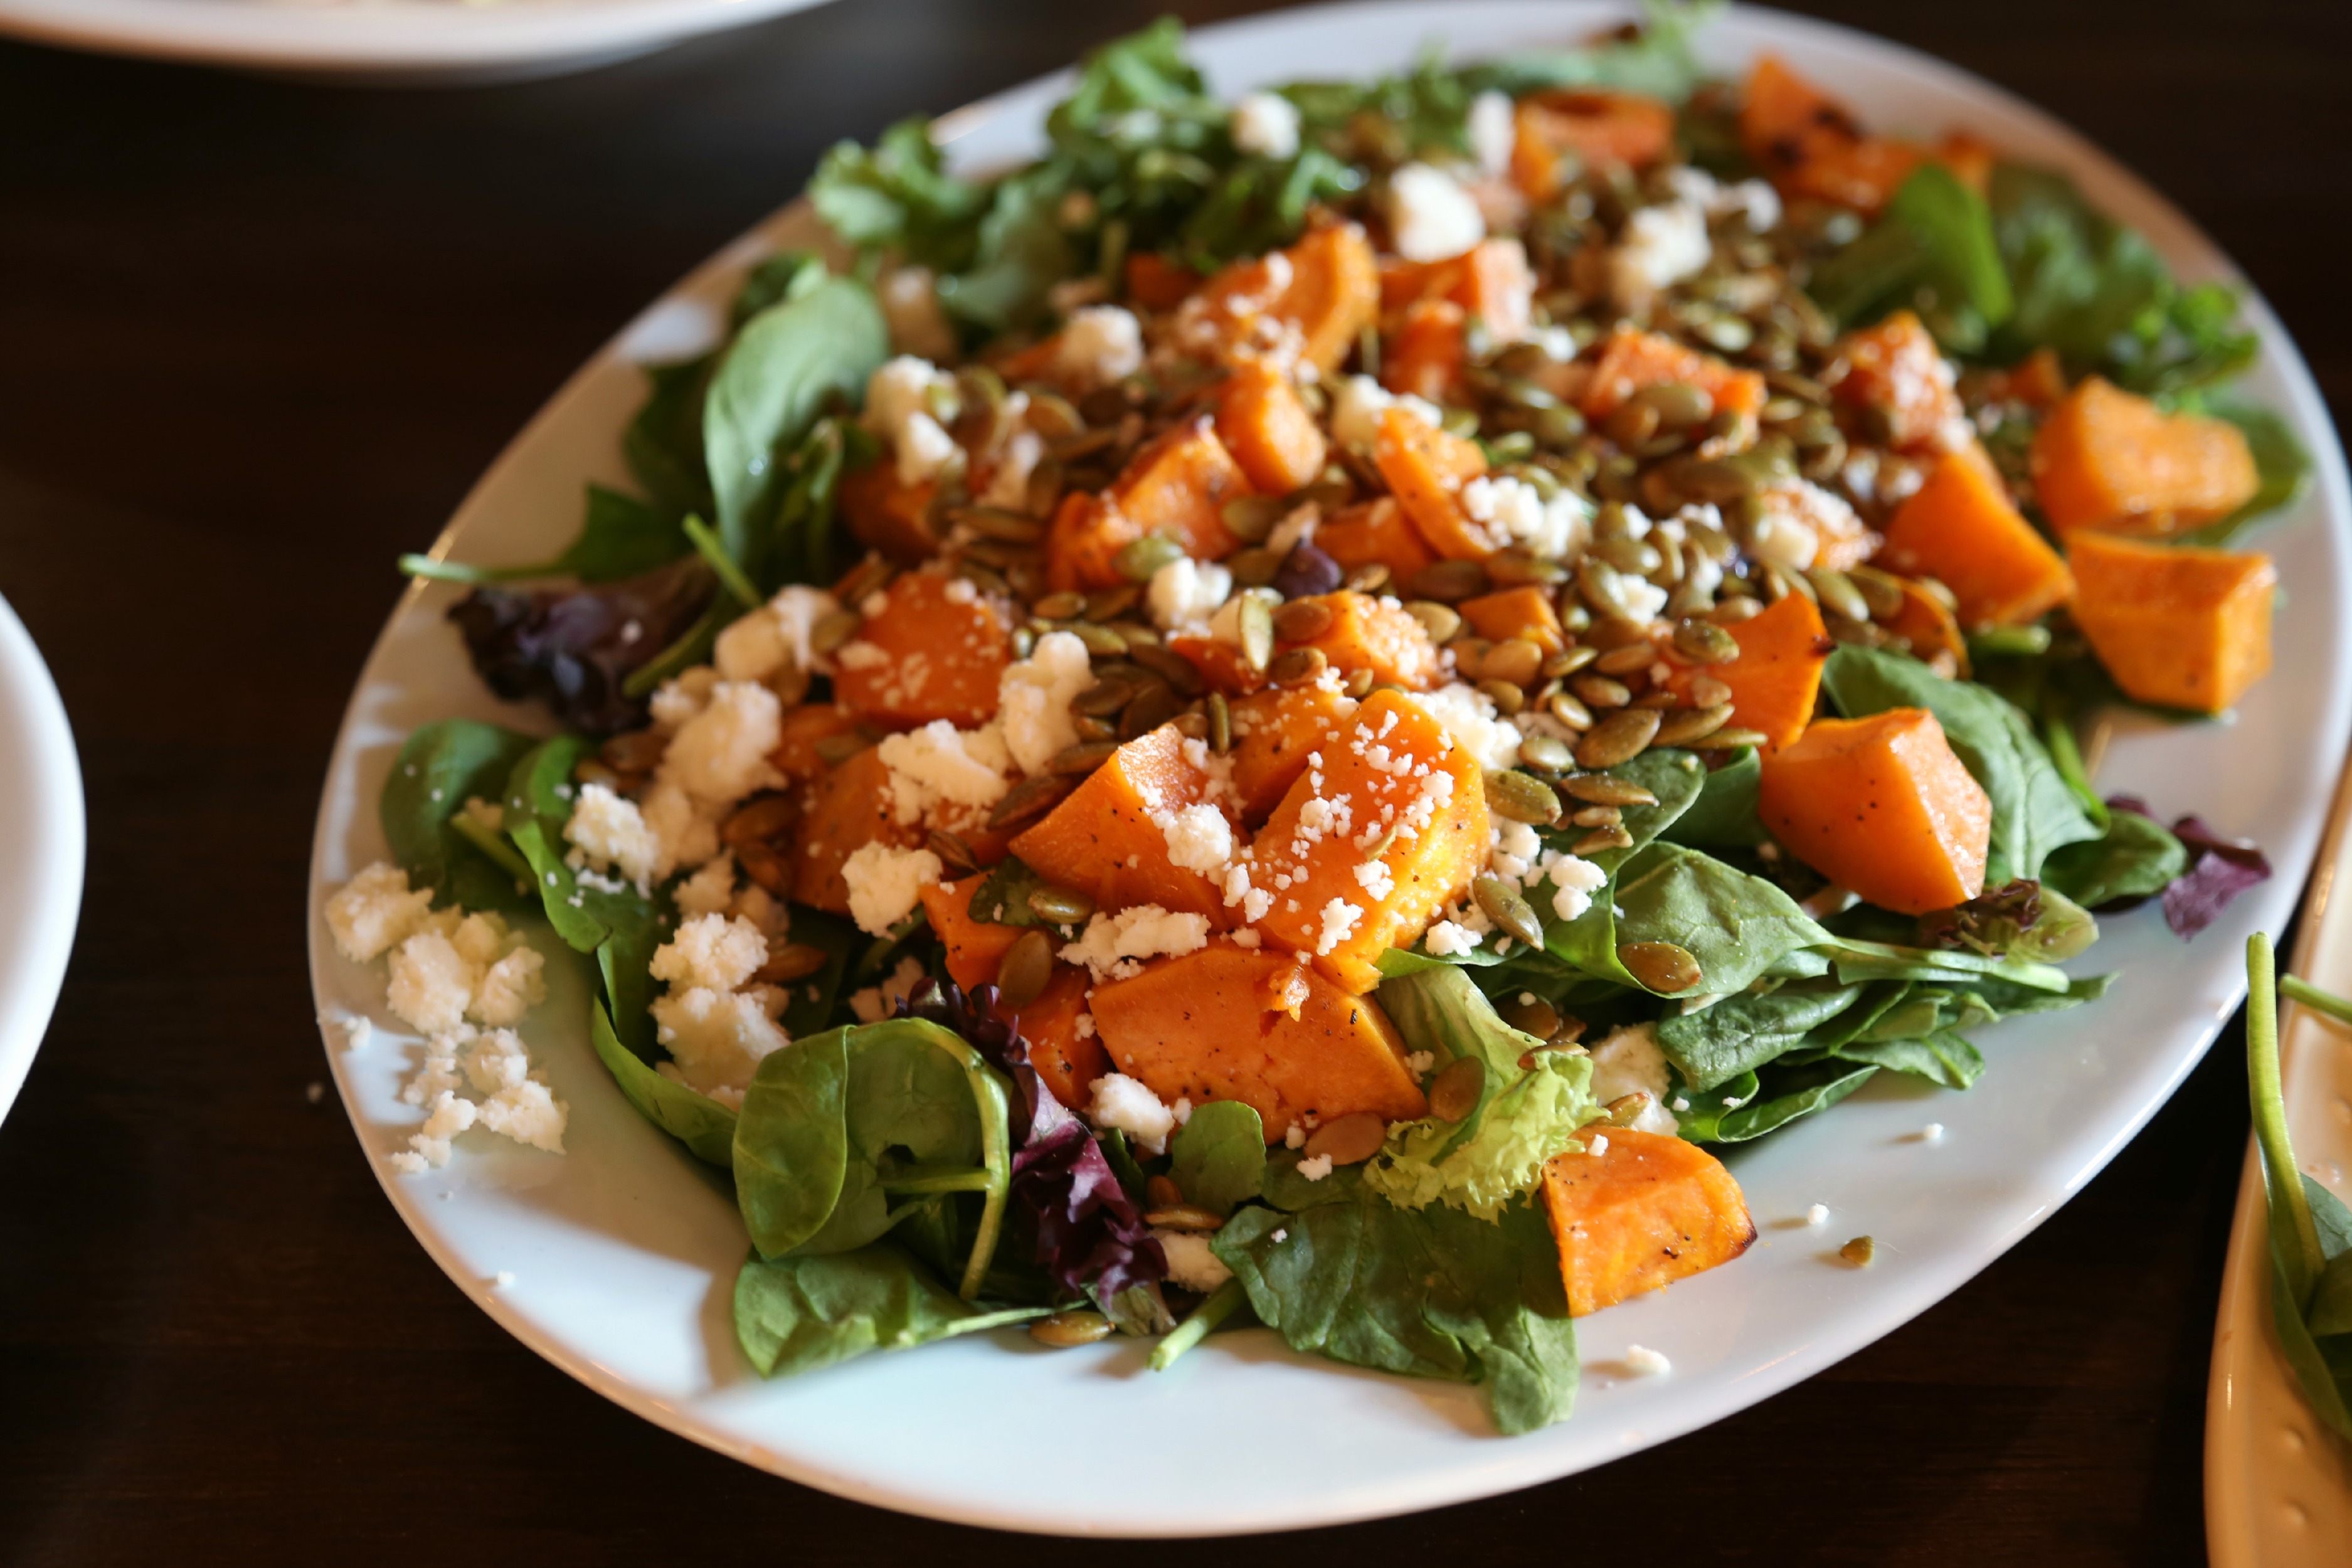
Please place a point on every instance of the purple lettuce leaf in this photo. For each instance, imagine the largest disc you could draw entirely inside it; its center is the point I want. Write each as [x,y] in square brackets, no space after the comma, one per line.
[574,648]
[2218,869]
[1090,1236]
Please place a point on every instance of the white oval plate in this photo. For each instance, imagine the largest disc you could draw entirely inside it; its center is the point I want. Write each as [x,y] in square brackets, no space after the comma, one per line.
[623,1253]
[2278,1485]
[391,40]
[41,846]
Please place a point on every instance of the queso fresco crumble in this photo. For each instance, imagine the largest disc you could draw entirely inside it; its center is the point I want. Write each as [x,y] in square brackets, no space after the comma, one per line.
[1369,674]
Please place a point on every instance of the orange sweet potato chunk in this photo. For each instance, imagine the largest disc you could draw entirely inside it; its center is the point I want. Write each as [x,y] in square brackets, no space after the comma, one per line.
[1895,371]
[2109,459]
[1426,469]
[1358,793]
[1491,282]
[1425,351]
[1177,485]
[890,517]
[1268,430]
[936,650]
[1881,805]
[1927,624]
[841,813]
[1597,126]
[1200,1027]
[1960,528]
[975,948]
[1274,732]
[1220,664]
[1157,283]
[1778,676]
[1365,634]
[1808,145]
[1324,290]
[2187,628]
[1632,359]
[1638,1210]
[796,756]
[1523,611]
[1067,1059]
[1105,839]
[1375,532]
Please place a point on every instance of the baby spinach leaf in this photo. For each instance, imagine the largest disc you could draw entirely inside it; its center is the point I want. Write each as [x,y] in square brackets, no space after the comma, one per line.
[899,196]
[1736,925]
[1218,1158]
[778,279]
[813,999]
[1657,61]
[798,1314]
[663,443]
[2135,858]
[1859,960]
[441,767]
[770,387]
[1789,1094]
[1933,250]
[1523,1116]
[1430,1293]
[833,1127]
[2281,470]
[1021,254]
[706,1127]
[2034,812]
[1589,942]
[621,537]
[1724,814]
[1741,1033]
[1943,1057]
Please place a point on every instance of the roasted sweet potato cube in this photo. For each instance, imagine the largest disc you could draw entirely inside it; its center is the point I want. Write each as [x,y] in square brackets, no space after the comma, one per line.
[1635,1210]
[2187,628]
[1177,485]
[2111,460]
[1881,804]
[1273,733]
[1426,350]
[1375,532]
[1200,1028]
[1365,634]
[1808,145]
[796,756]
[1524,612]
[1157,283]
[975,948]
[1395,782]
[1067,1057]
[1632,359]
[1960,528]
[1491,282]
[842,812]
[1776,678]
[1307,302]
[890,517]
[1595,125]
[1426,469]
[1896,374]
[1269,431]
[936,650]
[1220,664]
[1110,839]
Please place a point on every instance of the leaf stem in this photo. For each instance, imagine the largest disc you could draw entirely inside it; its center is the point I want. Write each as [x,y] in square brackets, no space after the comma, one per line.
[492,845]
[688,649]
[730,575]
[459,572]
[2295,1238]
[2299,990]
[1196,1328]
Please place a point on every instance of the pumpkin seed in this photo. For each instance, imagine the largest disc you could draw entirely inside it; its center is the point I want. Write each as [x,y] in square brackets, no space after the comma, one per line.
[1028,967]
[1515,659]
[1065,1330]
[1728,739]
[1522,798]
[1109,604]
[1602,691]
[1454,1093]
[994,522]
[1302,620]
[1597,816]
[1185,1216]
[1635,555]
[1256,623]
[1450,582]
[1619,738]
[1628,659]
[1082,758]
[1192,724]
[1626,1108]
[1254,567]
[1138,560]
[1506,698]
[1728,334]
[1861,1252]
[1299,667]
[1513,568]
[793,961]
[1358,684]
[1705,691]
[835,750]
[1101,641]
[952,851]
[1732,610]
[1661,966]
[1606,789]
[1537,1017]
[1506,908]
[871,576]
[1167,664]
[1837,594]
[1220,725]
[1031,797]
[1546,751]
[1442,622]
[832,630]
[1571,712]
[1090,728]
[1631,423]
[1153,706]
[1106,697]
[1692,725]
[1703,642]
[1882,591]
[1600,838]
[1603,588]
[1369,578]
[1349,1139]
[1252,518]
[1060,905]
[1161,1192]
[1460,424]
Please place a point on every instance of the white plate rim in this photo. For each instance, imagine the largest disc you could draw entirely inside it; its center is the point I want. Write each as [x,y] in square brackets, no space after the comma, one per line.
[390,37]
[2114,189]
[42,844]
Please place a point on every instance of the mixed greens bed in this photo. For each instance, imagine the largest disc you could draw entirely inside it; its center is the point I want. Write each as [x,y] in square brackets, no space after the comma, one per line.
[1297,709]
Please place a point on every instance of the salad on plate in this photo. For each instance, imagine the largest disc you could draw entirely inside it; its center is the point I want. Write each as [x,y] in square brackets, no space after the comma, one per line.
[1305,708]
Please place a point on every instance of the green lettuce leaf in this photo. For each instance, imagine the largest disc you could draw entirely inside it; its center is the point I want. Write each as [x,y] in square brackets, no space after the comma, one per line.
[1217,1159]
[441,767]
[706,1127]
[798,1314]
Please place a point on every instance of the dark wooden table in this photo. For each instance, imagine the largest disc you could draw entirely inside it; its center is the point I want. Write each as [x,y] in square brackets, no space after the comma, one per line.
[256,338]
